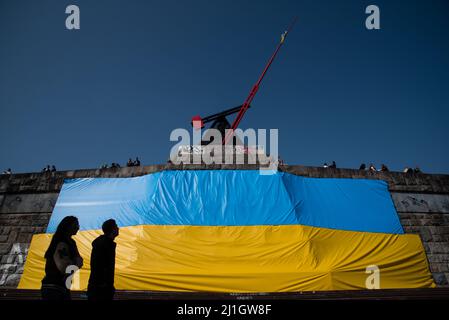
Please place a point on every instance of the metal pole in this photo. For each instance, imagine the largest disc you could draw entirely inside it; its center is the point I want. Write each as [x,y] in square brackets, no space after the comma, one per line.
[255,88]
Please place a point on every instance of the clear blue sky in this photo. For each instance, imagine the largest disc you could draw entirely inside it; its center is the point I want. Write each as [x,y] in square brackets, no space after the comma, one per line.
[138,69]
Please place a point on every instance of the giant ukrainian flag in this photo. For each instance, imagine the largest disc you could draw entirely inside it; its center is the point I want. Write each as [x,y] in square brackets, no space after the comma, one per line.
[238,231]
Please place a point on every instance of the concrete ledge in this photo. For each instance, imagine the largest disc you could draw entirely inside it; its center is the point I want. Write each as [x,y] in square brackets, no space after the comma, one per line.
[52,181]
[388,294]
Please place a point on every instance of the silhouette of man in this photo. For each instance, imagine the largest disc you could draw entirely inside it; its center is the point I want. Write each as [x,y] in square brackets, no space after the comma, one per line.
[102,264]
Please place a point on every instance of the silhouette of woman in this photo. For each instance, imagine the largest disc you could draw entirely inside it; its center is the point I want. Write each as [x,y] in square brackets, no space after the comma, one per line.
[61,254]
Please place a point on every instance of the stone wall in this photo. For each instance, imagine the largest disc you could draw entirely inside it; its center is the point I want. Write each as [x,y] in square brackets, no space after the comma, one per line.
[27,200]
[428,215]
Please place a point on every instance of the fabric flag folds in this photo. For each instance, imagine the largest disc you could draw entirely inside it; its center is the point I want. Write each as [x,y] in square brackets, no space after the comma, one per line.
[238,231]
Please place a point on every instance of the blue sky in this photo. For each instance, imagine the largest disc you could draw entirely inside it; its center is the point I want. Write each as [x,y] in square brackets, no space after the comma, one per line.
[136,70]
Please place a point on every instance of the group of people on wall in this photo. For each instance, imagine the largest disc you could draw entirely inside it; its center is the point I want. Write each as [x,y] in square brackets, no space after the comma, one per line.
[333,165]
[130,163]
[62,259]
[372,168]
[48,168]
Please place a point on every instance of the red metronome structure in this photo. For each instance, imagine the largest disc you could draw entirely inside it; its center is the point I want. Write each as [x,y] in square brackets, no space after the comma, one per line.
[220,122]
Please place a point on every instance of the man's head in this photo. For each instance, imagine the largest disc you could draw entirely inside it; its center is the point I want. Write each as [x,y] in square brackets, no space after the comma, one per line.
[110,228]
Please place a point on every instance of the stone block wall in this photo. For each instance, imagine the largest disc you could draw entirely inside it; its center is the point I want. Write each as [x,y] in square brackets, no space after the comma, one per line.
[27,200]
[428,215]
[16,231]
